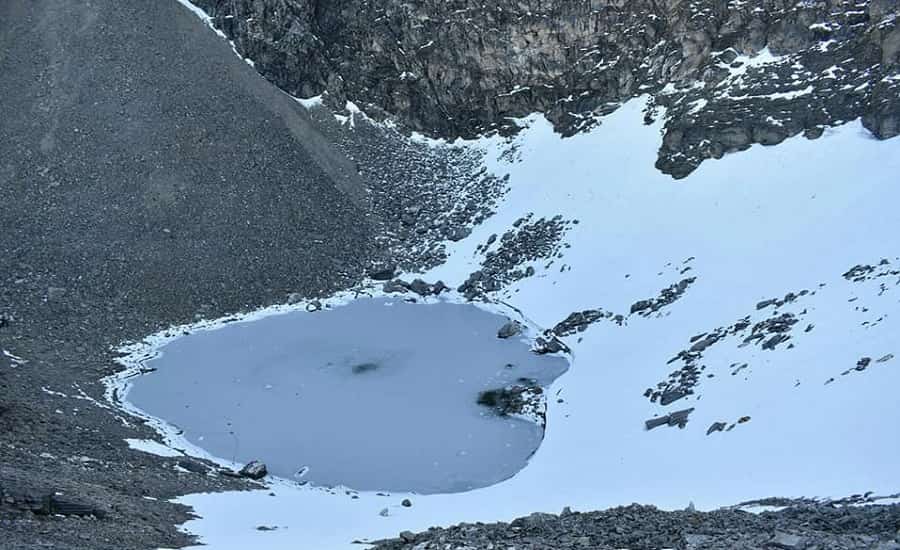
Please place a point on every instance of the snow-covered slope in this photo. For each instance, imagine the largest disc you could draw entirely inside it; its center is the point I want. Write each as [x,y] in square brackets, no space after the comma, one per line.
[751,227]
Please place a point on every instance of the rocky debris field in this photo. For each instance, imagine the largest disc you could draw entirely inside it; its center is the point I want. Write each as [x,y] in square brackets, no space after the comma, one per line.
[646,528]
[461,68]
[421,194]
[505,260]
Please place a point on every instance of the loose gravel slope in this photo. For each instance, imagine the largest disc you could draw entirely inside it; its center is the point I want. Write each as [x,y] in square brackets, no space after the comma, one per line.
[147,176]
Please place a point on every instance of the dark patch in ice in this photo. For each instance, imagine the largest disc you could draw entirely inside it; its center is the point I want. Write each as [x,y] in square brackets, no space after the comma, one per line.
[364,367]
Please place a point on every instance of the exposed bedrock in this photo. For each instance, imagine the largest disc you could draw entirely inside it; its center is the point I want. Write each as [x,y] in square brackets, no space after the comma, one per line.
[460,68]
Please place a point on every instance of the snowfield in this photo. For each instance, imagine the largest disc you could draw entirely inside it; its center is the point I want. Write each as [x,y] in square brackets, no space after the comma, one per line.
[751,227]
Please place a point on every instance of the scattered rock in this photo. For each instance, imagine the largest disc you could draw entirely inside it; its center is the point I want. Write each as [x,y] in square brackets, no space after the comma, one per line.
[549,343]
[666,297]
[669,397]
[579,321]
[406,503]
[524,399]
[526,242]
[417,286]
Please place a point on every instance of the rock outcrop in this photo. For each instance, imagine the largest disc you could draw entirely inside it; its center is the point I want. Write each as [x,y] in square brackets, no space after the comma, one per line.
[728,73]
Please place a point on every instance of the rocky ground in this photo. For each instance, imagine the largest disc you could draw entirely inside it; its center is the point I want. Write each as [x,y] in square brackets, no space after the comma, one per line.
[147,177]
[646,528]
[463,67]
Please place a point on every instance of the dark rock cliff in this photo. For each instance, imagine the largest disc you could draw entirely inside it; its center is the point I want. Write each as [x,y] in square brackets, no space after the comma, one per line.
[462,67]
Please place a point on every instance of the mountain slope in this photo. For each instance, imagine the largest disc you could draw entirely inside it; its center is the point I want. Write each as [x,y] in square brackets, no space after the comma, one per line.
[461,68]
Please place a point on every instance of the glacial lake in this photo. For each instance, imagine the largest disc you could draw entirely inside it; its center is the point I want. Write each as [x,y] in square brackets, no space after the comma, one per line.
[378,394]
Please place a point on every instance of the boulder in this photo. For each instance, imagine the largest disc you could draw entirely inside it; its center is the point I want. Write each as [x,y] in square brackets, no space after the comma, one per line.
[395,286]
[420,287]
[510,329]
[786,541]
[385,273]
[550,344]
[254,470]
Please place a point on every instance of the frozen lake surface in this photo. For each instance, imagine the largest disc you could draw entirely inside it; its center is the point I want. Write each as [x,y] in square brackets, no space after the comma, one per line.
[378,394]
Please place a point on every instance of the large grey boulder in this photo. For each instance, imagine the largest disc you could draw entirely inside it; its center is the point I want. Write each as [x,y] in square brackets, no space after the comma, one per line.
[254,470]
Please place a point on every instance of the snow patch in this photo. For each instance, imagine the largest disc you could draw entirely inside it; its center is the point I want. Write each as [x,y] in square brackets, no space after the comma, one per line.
[152,447]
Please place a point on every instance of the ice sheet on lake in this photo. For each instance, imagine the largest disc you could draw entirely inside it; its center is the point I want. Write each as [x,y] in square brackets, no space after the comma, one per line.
[378,394]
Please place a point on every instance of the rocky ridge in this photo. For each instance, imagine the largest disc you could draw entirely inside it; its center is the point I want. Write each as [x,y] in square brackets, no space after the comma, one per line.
[645,528]
[728,73]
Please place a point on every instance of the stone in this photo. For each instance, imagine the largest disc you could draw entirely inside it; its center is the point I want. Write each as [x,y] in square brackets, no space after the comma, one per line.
[406,503]
[254,470]
[549,344]
[786,541]
[55,293]
[439,287]
[705,343]
[459,233]
[407,536]
[420,287]
[716,427]
[53,505]
[510,329]
[395,286]
[669,397]
[383,274]
[193,467]
[677,418]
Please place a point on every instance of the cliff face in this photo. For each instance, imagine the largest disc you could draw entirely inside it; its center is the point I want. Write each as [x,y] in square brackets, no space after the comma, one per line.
[461,67]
